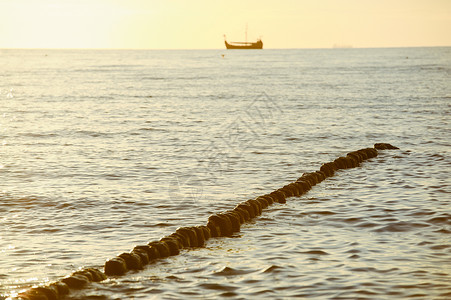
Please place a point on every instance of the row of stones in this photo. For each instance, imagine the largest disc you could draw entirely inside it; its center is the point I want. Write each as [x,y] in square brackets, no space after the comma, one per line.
[218,225]
[228,222]
[57,290]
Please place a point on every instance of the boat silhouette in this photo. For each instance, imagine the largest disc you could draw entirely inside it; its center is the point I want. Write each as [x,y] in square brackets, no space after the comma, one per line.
[244,45]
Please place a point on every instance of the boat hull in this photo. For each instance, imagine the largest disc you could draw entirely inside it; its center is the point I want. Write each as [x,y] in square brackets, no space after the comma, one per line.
[256,45]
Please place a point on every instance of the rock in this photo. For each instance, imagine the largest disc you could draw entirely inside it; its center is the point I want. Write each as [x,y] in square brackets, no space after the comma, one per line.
[162,248]
[115,266]
[132,260]
[60,287]
[76,281]
[173,245]
[142,255]
[223,223]
[243,213]
[234,219]
[190,233]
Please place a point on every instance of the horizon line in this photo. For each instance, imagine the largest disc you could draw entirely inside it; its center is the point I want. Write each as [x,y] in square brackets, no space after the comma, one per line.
[159,49]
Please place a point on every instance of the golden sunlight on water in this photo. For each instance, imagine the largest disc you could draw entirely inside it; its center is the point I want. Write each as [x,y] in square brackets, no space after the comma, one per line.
[105,150]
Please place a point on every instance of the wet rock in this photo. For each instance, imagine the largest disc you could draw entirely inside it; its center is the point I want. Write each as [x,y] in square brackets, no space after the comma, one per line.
[256,205]
[341,163]
[243,213]
[306,186]
[32,295]
[51,293]
[115,266]
[384,146]
[200,236]
[132,260]
[142,255]
[237,214]
[207,233]
[370,152]
[190,233]
[76,281]
[84,273]
[223,222]
[234,220]
[162,248]
[183,240]
[173,245]
[356,156]
[249,208]
[263,203]
[320,175]
[60,287]
[215,230]
[97,275]
[278,196]
[269,199]
[309,177]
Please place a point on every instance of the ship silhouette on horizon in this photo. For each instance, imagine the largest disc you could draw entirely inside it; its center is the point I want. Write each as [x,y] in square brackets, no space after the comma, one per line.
[244,45]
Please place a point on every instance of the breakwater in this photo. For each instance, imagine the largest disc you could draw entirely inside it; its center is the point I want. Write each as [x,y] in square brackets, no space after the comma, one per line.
[218,225]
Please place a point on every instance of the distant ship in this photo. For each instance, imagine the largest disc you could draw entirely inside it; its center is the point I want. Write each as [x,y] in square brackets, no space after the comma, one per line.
[244,45]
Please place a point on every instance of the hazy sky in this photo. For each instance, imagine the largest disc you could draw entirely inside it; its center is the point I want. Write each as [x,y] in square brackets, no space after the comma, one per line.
[186,24]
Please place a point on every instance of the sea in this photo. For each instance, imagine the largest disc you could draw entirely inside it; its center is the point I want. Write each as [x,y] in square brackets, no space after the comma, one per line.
[102,150]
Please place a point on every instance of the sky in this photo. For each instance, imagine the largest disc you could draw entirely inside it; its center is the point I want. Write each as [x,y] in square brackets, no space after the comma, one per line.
[201,24]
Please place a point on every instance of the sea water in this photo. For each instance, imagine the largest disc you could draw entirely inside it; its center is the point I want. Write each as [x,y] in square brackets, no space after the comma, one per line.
[101,150]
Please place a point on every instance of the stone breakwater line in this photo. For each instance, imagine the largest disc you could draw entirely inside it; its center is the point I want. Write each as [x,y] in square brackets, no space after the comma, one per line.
[218,225]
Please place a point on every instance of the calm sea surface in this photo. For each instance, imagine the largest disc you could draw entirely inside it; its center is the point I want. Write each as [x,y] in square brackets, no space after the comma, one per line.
[103,150]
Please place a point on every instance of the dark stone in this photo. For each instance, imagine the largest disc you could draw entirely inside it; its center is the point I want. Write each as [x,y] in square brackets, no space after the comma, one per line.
[200,236]
[223,222]
[142,255]
[132,260]
[97,275]
[163,248]
[384,146]
[268,198]
[234,219]
[75,281]
[32,294]
[321,176]
[341,163]
[263,202]
[61,287]
[172,244]
[249,208]
[256,205]
[183,240]
[278,196]
[243,212]
[207,233]
[51,293]
[215,230]
[190,233]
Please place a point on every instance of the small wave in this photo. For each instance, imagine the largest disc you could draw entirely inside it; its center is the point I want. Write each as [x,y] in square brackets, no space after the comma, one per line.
[217,286]
[273,269]
[315,252]
[227,271]
[371,269]
[441,220]
[401,227]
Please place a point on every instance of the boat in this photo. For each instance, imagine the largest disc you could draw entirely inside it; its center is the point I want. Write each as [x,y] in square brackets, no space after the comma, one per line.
[244,45]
